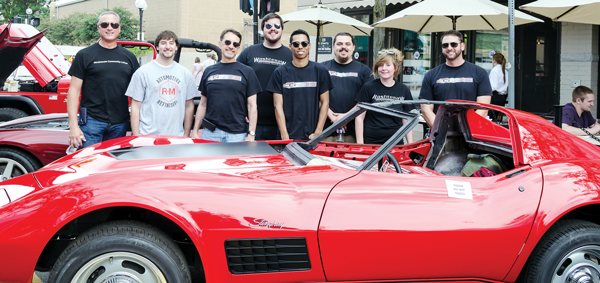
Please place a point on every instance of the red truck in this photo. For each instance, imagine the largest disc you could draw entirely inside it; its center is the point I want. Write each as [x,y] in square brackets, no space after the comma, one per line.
[23,44]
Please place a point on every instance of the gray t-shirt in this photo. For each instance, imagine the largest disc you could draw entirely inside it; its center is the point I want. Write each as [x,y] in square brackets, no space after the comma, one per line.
[163,92]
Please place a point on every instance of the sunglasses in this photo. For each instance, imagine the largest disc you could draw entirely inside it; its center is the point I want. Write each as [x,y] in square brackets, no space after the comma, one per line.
[388,52]
[269,26]
[296,44]
[113,25]
[453,44]
[235,44]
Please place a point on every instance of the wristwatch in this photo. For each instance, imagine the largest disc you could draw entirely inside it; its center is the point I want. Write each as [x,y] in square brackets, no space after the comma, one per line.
[252,133]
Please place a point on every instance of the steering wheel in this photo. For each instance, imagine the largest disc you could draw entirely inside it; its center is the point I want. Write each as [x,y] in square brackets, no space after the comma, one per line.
[391,157]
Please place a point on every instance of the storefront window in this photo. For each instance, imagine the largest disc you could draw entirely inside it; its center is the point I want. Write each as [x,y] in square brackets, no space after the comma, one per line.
[361,42]
[487,44]
[417,60]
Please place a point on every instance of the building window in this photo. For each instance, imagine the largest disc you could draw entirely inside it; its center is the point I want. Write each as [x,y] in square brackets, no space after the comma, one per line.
[417,60]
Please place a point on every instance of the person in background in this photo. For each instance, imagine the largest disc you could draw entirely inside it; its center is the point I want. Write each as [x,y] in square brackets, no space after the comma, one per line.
[162,93]
[499,80]
[377,128]
[264,58]
[577,116]
[210,60]
[349,76]
[101,73]
[197,71]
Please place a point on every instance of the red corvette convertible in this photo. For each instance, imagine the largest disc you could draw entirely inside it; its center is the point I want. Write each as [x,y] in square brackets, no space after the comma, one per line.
[169,209]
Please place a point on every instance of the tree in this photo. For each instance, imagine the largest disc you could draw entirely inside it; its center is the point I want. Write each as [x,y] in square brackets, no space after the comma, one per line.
[80,28]
[11,8]
[378,33]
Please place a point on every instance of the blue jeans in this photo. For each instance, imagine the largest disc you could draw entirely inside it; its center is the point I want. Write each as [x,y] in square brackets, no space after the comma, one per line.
[266,132]
[222,136]
[96,131]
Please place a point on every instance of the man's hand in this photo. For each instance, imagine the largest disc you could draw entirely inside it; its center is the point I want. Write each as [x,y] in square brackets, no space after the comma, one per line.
[313,135]
[285,136]
[76,137]
[250,138]
[195,134]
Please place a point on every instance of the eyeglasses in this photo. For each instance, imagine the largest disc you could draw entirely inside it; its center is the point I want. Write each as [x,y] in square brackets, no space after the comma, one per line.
[269,26]
[388,52]
[235,44]
[296,44]
[113,25]
[453,44]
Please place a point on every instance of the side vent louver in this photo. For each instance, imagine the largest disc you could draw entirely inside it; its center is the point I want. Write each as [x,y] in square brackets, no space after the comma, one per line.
[248,256]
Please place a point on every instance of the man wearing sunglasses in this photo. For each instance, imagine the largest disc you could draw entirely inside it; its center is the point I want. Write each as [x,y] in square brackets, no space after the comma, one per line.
[264,58]
[101,73]
[162,93]
[456,79]
[228,91]
[300,92]
[349,76]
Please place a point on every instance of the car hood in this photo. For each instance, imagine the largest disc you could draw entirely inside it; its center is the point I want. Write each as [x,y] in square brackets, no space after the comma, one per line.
[21,43]
[44,121]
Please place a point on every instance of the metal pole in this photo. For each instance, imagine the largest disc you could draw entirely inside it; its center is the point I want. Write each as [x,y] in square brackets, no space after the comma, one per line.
[511,53]
[255,21]
[141,38]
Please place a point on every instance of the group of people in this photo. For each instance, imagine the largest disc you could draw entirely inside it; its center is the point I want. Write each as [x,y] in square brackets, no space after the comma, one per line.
[268,92]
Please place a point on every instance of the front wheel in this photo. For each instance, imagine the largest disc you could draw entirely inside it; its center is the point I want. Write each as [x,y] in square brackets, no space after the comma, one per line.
[568,253]
[121,251]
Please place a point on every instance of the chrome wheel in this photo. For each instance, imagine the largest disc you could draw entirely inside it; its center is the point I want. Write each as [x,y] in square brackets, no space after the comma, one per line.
[10,169]
[581,265]
[119,267]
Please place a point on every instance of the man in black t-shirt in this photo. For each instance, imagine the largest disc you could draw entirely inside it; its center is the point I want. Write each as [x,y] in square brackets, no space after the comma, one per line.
[227,91]
[264,59]
[349,76]
[101,73]
[300,92]
[456,79]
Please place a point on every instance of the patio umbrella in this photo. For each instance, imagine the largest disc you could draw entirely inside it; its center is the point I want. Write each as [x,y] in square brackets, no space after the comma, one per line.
[442,15]
[318,20]
[575,11]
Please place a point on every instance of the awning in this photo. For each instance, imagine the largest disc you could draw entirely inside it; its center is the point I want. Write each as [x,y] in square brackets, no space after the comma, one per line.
[340,4]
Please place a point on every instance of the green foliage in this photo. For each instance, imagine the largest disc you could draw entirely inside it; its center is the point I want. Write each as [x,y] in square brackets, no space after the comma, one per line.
[11,8]
[79,29]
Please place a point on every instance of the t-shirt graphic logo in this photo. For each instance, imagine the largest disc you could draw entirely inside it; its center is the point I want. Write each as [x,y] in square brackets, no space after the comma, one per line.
[343,75]
[167,91]
[300,84]
[454,80]
[225,77]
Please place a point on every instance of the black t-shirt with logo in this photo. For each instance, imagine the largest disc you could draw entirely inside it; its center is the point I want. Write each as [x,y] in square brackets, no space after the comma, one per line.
[227,87]
[264,61]
[348,79]
[465,82]
[106,74]
[301,89]
[378,127]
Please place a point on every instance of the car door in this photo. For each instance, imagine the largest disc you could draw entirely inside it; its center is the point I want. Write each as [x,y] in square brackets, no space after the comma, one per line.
[411,226]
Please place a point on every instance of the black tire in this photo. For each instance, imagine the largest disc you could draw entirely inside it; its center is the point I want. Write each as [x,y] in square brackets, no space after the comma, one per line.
[142,253]
[8,113]
[14,162]
[570,249]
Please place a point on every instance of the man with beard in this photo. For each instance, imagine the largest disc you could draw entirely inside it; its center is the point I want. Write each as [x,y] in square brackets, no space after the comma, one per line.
[456,79]
[300,92]
[264,59]
[162,93]
[101,74]
[348,76]
[227,91]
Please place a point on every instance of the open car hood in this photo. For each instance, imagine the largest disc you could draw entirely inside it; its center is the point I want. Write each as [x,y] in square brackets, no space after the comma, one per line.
[23,43]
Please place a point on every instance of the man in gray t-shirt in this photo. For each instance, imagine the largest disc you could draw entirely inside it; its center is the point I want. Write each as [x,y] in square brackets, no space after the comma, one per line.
[162,93]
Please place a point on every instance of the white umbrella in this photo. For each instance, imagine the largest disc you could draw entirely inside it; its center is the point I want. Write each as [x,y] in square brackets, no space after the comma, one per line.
[318,20]
[576,11]
[442,15]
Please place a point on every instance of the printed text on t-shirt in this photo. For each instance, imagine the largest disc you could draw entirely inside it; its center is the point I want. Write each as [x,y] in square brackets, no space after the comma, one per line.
[225,77]
[454,80]
[381,98]
[110,61]
[343,75]
[269,61]
[300,84]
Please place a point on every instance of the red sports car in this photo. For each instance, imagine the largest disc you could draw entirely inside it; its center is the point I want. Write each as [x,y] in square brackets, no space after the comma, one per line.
[169,209]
